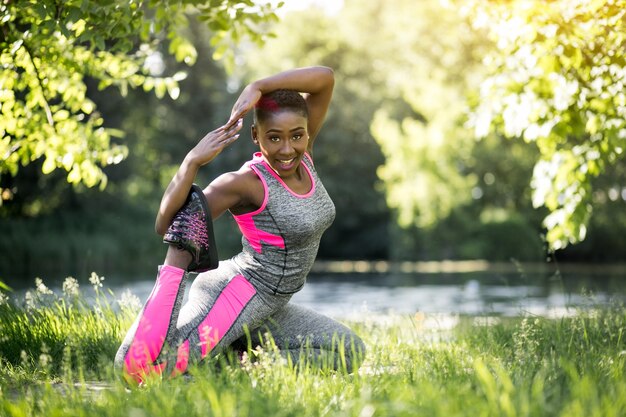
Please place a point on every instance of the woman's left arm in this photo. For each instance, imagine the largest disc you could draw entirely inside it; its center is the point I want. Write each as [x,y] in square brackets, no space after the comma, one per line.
[316,82]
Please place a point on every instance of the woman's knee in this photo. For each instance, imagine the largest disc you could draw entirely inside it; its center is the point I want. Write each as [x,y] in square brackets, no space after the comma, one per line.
[355,349]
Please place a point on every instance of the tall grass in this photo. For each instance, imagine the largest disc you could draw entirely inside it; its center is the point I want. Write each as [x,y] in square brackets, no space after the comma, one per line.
[56,352]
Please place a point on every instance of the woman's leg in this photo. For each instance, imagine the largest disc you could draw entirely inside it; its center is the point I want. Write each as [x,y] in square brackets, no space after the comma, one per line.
[302,334]
[142,348]
[223,305]
[166,337]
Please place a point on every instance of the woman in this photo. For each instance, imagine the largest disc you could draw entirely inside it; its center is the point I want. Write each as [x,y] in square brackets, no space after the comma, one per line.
[282,210]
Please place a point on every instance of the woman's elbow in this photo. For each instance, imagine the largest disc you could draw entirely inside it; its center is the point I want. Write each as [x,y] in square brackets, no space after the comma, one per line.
[159,227]
[329,74]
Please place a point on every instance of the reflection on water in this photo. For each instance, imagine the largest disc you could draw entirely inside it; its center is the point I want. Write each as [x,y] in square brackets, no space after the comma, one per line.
[506,294]
[342,299]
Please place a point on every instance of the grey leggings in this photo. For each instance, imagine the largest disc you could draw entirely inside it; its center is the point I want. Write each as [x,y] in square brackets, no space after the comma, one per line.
[225,309]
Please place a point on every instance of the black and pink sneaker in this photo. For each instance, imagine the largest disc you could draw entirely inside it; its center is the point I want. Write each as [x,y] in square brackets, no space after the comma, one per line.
[192,230]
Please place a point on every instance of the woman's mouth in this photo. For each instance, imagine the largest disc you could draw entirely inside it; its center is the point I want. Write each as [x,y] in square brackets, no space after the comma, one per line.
[286,164]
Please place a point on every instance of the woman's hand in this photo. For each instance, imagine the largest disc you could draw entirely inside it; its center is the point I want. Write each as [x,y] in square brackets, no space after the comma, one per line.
[246,101]
[213,143]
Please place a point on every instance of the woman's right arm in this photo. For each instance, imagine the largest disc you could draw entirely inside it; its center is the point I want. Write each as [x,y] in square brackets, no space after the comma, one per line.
[178,189]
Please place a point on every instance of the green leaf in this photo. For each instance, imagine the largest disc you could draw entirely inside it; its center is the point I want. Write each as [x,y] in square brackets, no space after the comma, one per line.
[73,13]
[4,286]
[49,165]
[40,9]
[159,88]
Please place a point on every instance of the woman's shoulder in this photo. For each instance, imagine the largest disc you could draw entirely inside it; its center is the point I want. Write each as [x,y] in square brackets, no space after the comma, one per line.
[247,185]
[242,179]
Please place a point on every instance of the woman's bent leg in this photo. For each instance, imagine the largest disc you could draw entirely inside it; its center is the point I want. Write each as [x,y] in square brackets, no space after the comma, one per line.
[303,335]
[223,305]
[166,337]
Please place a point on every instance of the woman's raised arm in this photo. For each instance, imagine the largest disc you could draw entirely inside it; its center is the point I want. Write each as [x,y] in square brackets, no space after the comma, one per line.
[316,82]
[204,152]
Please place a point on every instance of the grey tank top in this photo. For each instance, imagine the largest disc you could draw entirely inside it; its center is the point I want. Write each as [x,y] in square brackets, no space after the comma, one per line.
[281,238]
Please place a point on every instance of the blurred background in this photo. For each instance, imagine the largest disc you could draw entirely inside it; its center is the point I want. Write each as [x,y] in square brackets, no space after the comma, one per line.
[410,178]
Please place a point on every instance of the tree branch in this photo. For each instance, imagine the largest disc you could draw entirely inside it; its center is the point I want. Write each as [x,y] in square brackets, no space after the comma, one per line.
[46,106]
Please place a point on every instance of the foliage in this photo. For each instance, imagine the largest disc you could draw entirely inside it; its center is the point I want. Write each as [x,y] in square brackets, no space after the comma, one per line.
[77,241]
[50,50]
[56,364]
[556,80]
[401,91]
[426,171]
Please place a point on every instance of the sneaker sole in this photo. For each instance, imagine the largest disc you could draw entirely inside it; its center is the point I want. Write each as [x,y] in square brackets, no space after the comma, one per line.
[213,256]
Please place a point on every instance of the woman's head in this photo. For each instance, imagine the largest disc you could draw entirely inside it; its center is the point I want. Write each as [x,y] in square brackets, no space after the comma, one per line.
[278,101]
[281,130]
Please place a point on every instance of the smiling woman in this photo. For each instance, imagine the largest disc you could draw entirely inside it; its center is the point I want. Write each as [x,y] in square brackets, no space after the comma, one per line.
[282,210]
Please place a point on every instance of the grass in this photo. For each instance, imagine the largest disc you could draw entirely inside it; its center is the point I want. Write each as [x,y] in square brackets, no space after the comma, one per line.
[56,353]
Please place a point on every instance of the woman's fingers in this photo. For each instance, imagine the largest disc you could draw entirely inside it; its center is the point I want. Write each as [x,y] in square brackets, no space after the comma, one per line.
[227,141]
[233,126]
[235,116]
[230,134]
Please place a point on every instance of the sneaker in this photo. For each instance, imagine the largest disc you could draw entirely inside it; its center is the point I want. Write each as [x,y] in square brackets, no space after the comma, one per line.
[192,230]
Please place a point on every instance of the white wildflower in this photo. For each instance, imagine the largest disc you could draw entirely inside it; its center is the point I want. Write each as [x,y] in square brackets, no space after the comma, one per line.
[3,298]
[29,300]
[41,287]
[130,301]
[45,359]
[24,357]
[96,281]
[98,311]
[70,287]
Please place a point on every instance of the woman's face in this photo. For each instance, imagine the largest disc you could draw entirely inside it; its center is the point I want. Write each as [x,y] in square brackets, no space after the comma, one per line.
[283,139]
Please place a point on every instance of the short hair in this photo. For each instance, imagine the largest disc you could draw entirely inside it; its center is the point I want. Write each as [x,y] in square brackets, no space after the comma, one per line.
[277,101]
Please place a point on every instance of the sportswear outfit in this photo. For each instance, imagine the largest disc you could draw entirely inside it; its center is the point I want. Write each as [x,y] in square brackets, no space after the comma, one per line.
[248,293]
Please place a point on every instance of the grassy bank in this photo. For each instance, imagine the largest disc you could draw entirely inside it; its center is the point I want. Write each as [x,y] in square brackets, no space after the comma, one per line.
[56,353]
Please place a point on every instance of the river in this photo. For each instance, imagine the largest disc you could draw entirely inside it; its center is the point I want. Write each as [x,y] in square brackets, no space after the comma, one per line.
[487,290]
[355,289]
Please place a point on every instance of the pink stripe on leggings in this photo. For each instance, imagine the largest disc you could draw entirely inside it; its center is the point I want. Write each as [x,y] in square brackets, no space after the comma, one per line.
[227,307]
[182,358]
[154,322]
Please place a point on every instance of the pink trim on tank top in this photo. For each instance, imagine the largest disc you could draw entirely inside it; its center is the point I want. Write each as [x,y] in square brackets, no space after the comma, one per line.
[227,308]
[265,191]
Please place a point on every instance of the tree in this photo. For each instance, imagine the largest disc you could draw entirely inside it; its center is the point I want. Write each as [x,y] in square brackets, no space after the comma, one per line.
[49,50]
[556,80]
[117,223]
[430,65]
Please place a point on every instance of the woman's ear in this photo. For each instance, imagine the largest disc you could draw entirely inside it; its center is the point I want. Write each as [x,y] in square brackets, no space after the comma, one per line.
[253,131]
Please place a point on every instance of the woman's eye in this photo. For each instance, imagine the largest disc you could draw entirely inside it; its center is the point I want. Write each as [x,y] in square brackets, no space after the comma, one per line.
[275,139]
[297,137]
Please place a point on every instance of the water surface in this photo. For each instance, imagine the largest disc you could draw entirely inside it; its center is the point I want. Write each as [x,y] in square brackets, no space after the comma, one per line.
[351,295]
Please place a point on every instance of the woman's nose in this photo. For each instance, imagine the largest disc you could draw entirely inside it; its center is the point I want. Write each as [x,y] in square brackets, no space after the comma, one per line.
[286,148]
